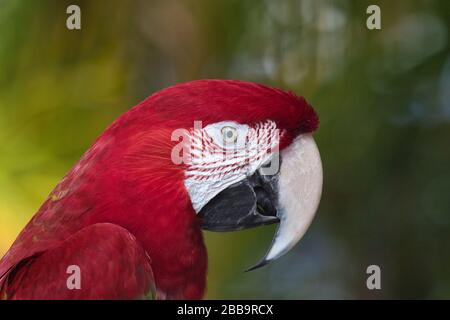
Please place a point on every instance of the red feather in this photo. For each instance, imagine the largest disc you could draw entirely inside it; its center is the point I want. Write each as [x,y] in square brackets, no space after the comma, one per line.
[116,267]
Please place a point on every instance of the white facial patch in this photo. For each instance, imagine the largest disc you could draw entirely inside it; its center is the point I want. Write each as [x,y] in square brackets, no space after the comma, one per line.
[224,153]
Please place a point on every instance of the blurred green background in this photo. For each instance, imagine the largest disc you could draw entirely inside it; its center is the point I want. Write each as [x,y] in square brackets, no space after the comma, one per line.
[383,97]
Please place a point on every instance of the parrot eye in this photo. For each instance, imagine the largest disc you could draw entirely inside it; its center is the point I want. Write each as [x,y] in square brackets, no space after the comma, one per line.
[229,135]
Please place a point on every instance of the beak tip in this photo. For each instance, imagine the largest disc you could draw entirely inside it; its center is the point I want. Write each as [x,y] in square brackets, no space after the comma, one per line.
[260,264]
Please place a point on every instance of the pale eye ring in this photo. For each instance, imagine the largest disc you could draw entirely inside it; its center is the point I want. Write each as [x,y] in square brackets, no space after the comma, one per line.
[229,134]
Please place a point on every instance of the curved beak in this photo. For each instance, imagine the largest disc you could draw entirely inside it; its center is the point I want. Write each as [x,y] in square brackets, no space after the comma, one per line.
[290,197]
[300,190]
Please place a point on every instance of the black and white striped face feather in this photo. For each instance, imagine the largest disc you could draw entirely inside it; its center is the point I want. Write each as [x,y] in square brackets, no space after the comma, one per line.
[231,187]
[226,153]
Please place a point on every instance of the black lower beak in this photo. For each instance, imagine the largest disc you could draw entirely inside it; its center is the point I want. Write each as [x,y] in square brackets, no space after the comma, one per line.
[246,204]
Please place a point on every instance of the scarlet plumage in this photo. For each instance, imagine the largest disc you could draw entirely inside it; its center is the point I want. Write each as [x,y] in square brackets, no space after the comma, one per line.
[127,186]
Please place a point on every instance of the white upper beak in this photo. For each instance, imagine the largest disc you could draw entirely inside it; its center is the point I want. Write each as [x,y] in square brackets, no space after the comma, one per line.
[300,190]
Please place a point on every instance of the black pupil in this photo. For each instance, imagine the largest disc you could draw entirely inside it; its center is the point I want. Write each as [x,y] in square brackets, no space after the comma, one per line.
[229,134]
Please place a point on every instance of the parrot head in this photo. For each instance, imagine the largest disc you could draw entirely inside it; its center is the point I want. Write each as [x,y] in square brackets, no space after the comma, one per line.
[237,154]
[219,155]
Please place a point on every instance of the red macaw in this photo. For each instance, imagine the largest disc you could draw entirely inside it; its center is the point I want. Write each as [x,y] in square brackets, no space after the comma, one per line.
[129,215]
